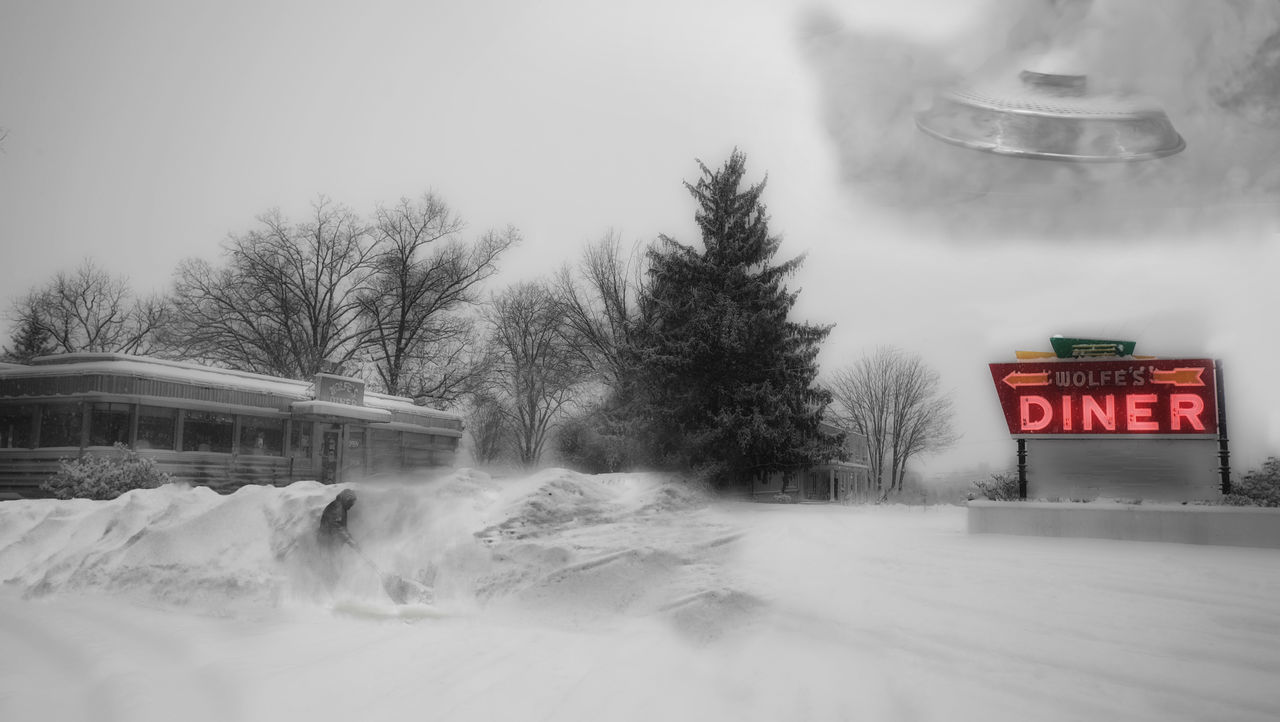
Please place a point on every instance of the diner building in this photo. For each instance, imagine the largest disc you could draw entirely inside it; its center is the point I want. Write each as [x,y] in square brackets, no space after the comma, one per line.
[213,427]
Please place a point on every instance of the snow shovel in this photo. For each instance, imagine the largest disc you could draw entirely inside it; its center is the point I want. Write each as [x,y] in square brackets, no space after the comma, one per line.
[401,590]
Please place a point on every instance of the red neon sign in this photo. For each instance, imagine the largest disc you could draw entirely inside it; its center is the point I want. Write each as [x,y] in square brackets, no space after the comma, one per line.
[1164,397]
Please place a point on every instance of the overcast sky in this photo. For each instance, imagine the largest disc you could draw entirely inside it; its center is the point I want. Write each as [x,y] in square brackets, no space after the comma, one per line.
[142,133]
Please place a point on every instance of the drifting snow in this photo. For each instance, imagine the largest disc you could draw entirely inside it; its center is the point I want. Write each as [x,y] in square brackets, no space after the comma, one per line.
[472,538]
[572,597]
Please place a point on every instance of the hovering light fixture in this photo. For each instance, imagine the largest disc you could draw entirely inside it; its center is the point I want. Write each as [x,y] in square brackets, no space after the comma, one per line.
[1050,112]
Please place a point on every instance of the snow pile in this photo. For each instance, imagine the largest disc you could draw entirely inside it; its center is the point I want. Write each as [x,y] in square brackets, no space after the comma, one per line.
[177,544]
[588,604]
[585,549]
[556,541]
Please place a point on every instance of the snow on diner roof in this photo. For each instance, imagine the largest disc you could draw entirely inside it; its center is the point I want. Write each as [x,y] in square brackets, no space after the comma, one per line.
[344,411]
[205,376]
[179,371]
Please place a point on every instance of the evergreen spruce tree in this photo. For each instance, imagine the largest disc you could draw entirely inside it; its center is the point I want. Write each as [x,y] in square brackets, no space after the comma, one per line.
[725,380]
[30,340]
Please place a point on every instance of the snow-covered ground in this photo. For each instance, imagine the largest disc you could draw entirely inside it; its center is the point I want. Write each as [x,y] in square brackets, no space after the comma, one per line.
[622,597]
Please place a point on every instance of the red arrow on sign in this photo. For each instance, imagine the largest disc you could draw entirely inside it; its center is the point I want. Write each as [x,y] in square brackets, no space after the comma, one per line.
[1016,379]
[1178,377]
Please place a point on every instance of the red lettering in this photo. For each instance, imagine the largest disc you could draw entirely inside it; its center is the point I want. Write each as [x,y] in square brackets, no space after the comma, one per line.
[1139,417]
[1091,411]
[1066,413]
[1046,412]
[1185,406]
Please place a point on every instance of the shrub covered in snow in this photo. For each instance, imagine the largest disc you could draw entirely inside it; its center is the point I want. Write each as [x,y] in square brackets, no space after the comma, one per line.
[1260,487]
[1000,487]
[105,476]
[590,444]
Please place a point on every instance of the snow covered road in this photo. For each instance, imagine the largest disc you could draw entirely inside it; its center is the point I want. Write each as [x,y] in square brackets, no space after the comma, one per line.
[625,598]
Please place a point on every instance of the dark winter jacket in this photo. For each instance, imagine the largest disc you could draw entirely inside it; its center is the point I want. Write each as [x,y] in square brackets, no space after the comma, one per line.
[333,520]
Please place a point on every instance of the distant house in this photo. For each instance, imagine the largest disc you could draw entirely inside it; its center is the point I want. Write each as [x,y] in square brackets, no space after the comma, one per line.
[845,481]
[209,426]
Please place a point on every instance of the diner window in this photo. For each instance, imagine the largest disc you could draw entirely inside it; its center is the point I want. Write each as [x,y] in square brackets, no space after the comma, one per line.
[300,440]
[16,426]
[207,431]
[261,436]
[156,427]
[109,423]
[61,425]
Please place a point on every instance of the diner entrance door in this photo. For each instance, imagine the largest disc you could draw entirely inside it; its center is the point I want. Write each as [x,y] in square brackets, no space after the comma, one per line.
[330,454]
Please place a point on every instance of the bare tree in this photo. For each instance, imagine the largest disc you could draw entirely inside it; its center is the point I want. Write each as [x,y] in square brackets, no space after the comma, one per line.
[893,400]
[601,303]
[486,424]
[148,319]
[420,298]
[288,300]
[89,310]
[538,370]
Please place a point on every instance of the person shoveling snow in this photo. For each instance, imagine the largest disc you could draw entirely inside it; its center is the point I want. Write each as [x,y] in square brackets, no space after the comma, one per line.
[333,535]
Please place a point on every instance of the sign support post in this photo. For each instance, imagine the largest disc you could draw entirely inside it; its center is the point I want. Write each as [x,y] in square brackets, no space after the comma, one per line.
[1224,454]
[1022,469]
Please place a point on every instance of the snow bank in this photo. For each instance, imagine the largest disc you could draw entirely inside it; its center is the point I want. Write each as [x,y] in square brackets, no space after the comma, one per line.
[555,538]
[570,597]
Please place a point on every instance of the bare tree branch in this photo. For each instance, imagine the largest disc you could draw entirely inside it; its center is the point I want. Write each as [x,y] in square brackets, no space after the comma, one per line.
[600,302]
[88,309]
[893,400]
[288,300]
[418,305]
[538,371]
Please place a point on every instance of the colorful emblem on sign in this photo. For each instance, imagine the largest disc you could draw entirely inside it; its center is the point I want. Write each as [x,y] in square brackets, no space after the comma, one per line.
[1160,397]
[1090,347]
[1064,347]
